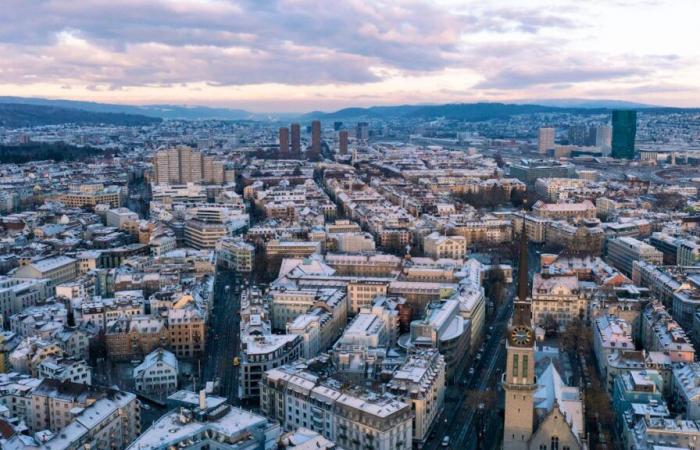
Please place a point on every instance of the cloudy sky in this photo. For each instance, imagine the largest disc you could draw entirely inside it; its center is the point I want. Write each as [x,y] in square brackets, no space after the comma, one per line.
[299,55]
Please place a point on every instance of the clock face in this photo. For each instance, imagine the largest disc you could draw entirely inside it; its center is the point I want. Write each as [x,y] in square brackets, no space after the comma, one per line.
[521,336]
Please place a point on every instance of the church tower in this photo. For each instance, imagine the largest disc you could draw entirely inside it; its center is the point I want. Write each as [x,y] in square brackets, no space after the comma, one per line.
[519,382]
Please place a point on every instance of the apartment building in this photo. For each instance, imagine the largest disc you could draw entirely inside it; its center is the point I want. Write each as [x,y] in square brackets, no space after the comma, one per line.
[235,254]
[353,418]
[262,353]
[88,196]
[610,335]
[17,294]
[420,381]
[659,332]
[564,211]
[157,374]
[186,333]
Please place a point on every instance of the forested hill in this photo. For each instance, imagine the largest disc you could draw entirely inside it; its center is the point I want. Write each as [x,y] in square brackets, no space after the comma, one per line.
[42,151]
[18,115]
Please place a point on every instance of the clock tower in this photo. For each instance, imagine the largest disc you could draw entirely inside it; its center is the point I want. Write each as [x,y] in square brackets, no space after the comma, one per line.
[519,384]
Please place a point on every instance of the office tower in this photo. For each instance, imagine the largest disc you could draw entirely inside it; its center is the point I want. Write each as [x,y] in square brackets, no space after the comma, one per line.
[337,126]
[296,140]
[284,142]
[624,131]
[362,131]
[343,142]
[577,135]
[603,136]
[545,139]
[315,140]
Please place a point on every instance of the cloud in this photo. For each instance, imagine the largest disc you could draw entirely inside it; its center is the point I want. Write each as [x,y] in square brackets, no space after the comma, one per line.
[287,41]
[518,79]
[405,49]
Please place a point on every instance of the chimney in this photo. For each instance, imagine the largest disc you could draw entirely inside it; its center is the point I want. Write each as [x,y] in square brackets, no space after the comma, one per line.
[203,399]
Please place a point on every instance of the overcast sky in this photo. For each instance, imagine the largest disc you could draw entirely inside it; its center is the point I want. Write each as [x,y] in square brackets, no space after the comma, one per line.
[300,55]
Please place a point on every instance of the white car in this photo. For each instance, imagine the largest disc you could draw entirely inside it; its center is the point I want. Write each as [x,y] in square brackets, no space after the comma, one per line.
[446,441]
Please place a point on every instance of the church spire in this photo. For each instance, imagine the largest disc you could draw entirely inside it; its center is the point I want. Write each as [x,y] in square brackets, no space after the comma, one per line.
[522,313]
[522,266]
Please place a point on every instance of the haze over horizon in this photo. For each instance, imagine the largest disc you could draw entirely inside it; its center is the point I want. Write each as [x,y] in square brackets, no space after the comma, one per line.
[301,55]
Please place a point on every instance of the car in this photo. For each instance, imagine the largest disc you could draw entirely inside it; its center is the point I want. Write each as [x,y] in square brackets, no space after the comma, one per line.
[446,441]
[471,371]
[478,356]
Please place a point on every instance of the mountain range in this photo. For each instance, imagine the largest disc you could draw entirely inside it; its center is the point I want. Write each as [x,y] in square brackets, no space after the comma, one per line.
[25,111]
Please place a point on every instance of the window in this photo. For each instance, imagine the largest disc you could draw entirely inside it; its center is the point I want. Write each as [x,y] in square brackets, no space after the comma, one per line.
[555,443]
[524,366]
[515,365]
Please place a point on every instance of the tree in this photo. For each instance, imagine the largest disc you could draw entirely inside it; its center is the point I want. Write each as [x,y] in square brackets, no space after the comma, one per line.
[550,325]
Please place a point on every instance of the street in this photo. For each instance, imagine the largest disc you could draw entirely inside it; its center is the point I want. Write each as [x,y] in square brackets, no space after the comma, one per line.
[223,336]
[460,416]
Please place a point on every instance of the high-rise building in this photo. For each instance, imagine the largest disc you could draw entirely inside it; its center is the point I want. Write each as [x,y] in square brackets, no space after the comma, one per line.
[603,136]
[362,130]
[343,142]
[624,131]
[578,135]
[284,142]
[315,140]
[184,165]
[545,139]
[296,140]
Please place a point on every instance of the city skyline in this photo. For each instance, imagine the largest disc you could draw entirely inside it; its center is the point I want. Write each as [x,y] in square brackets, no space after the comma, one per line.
[294,56]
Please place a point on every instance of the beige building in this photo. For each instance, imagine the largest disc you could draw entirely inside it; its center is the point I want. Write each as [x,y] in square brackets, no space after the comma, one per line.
[361,292]
[583,210]
[88,196]
[487,231]
[545,139]
[558,298]
[58,269]
[184,165]
[203,235]
[438,246]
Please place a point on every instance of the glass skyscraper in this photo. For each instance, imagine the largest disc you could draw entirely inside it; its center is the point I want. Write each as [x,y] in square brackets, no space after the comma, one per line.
[624,130]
